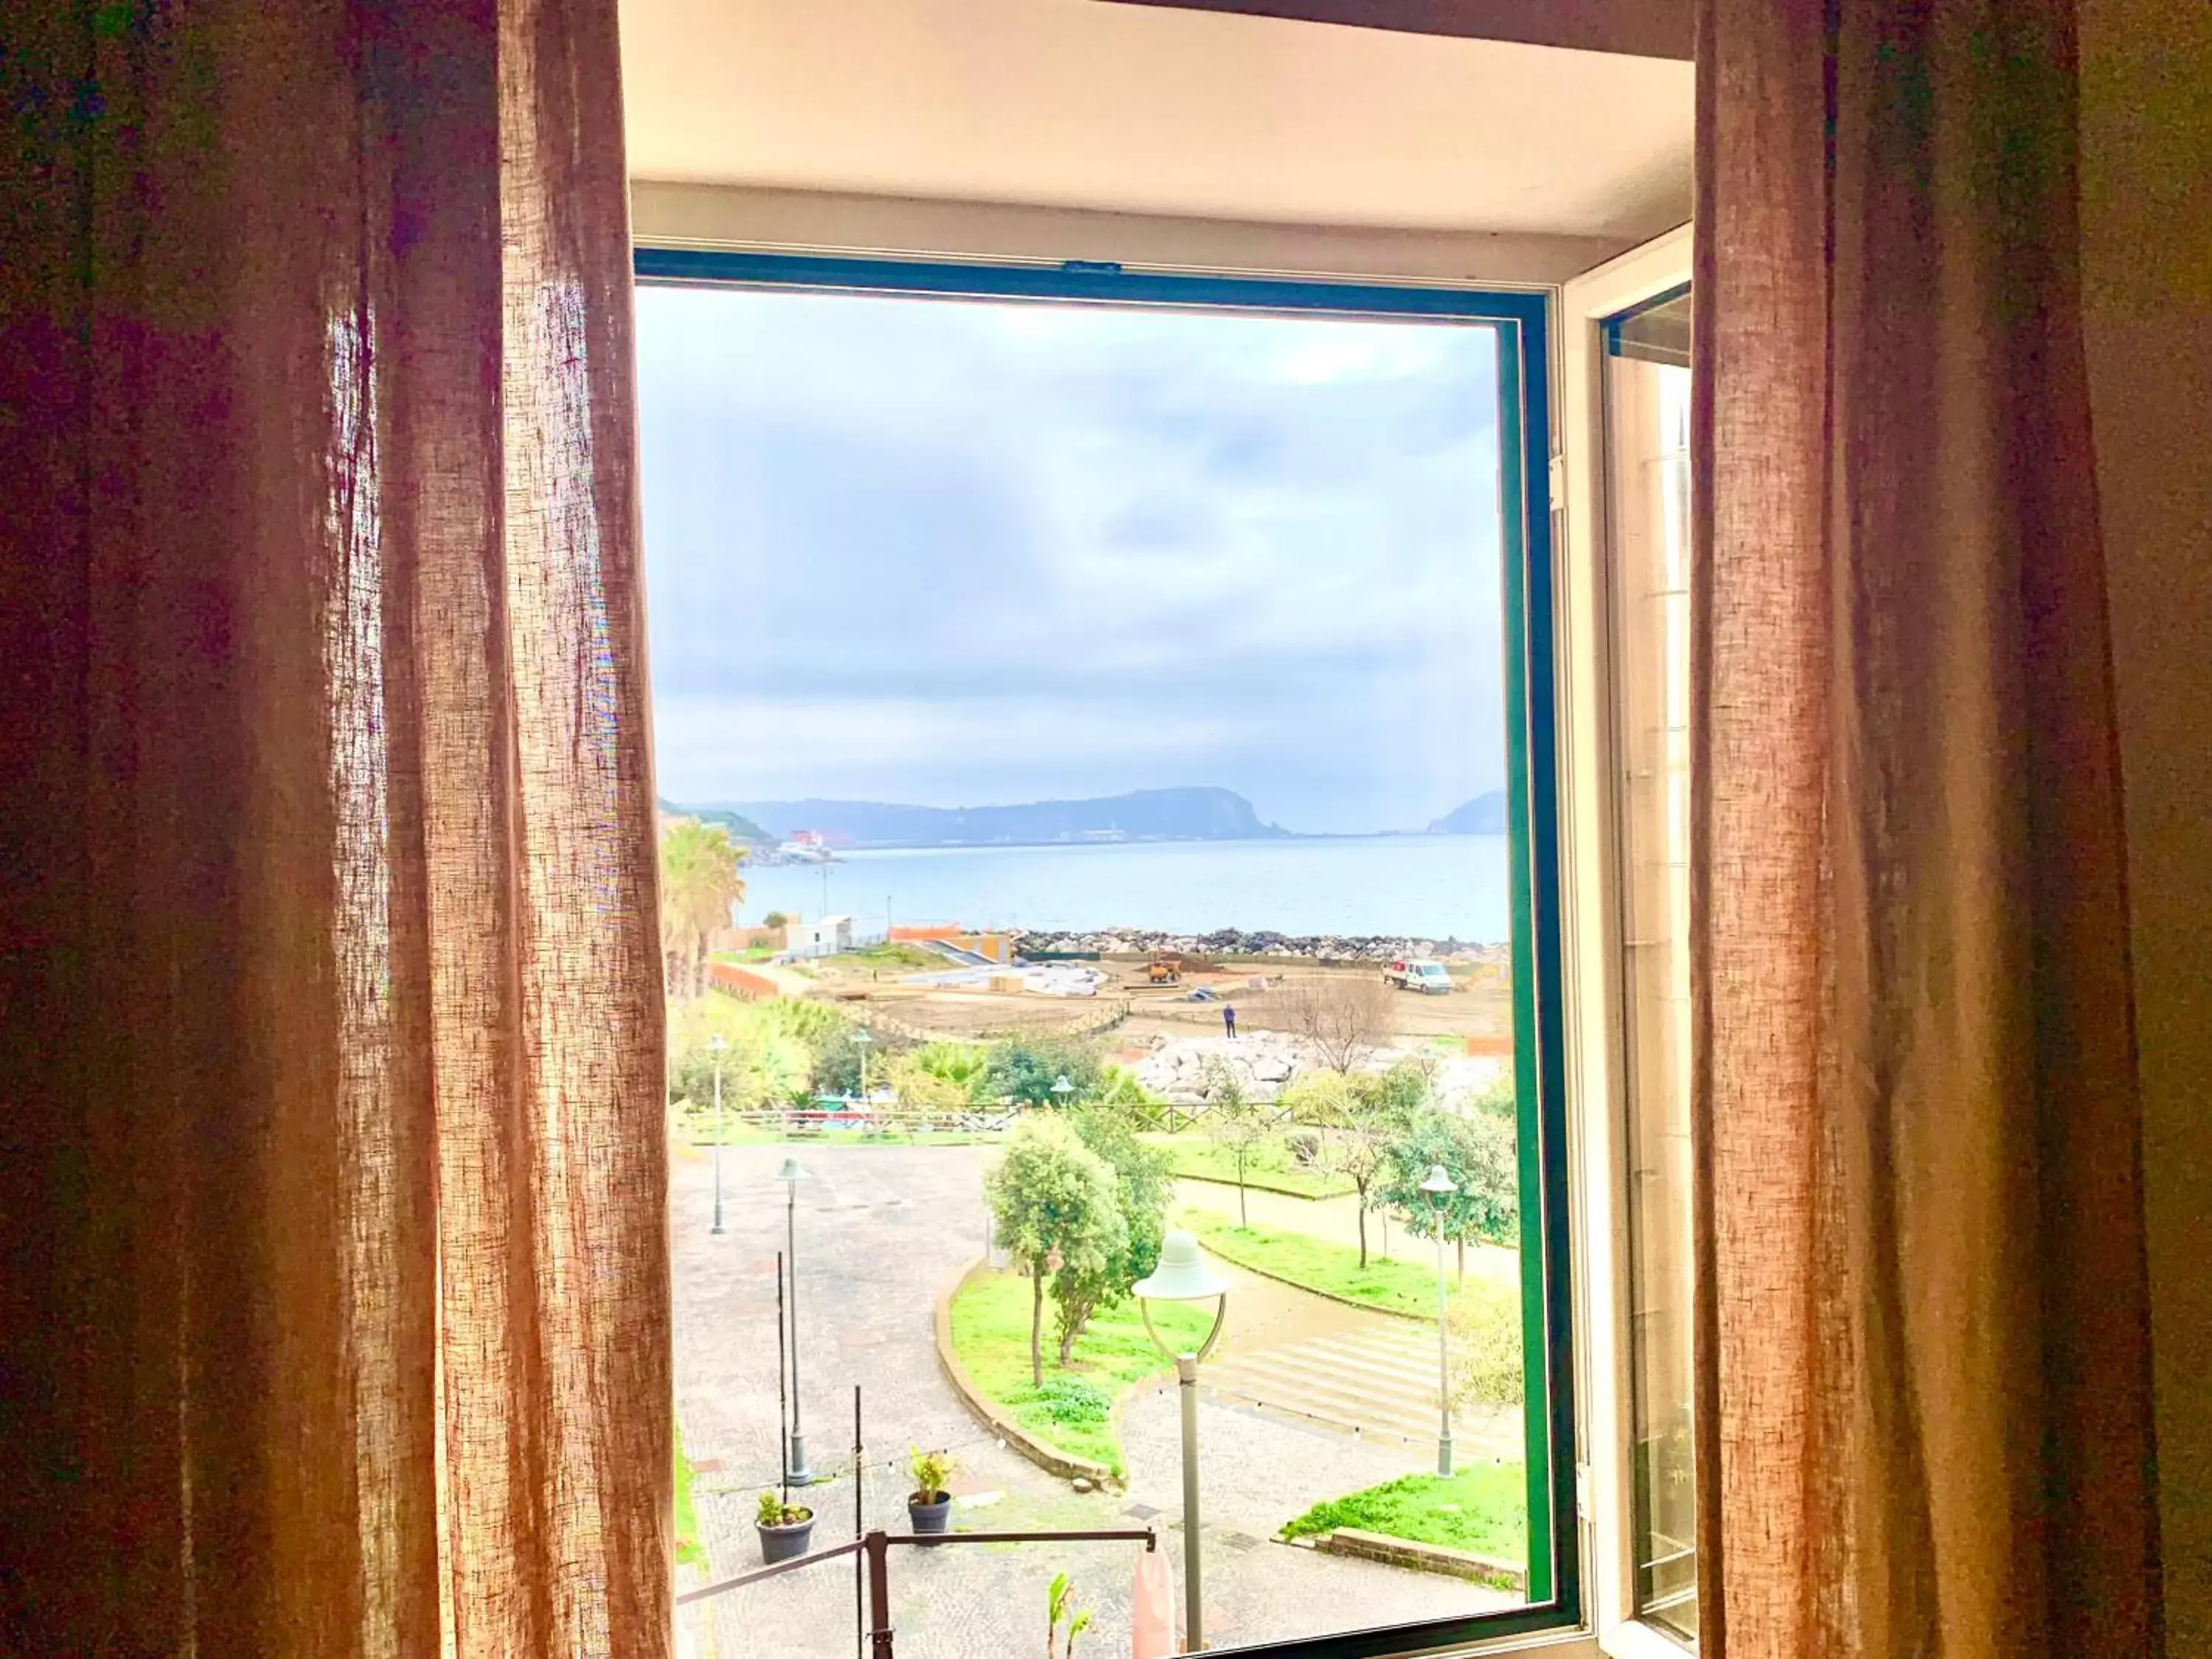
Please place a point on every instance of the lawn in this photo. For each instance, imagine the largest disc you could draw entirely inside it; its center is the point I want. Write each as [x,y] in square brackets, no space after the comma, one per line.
[688,1550]
[1200,1158]
[1404,1287]
[1483,1509]
[1073,1411]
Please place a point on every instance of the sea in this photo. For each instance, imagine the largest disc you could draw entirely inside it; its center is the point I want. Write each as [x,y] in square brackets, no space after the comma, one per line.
[1412,886]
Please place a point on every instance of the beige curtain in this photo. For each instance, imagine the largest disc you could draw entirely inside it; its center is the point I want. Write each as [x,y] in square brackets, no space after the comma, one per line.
[1925,1426]
[336,1275]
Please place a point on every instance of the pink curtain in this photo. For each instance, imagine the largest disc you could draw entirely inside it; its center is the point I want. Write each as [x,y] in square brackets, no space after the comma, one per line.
[1924,1427]
[336,1277]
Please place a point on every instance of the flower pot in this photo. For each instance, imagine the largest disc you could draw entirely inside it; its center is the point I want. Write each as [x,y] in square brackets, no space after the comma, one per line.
[934,1516]
[784,1543]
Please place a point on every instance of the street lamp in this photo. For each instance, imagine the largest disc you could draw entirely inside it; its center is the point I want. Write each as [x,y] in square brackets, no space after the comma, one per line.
[1063,1088]
[791,1175]
[1185,1275]
[861,1041]
[1439,1186]
[715,1045]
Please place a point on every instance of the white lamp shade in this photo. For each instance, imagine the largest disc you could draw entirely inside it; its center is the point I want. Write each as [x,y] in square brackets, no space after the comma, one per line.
[1183,1273]
[716,1043]
[1439,1182]
[792,1170]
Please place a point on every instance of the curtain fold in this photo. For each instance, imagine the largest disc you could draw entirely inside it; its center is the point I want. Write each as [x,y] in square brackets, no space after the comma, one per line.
[336,1275]
[1925,1409]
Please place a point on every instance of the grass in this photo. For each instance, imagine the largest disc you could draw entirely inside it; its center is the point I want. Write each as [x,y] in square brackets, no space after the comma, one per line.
[1270,1165]
[892,954]
[1483,1509]
[1073,1411]
[1403,1287]
[689,1551]
[751,953]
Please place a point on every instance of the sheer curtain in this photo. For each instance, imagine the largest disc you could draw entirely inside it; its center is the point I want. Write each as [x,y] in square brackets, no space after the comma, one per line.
[336,1273]
[1924,1427]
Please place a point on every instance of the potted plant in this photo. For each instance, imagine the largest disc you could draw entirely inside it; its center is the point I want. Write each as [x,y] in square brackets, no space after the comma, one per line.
[929,1506]
[785,1528]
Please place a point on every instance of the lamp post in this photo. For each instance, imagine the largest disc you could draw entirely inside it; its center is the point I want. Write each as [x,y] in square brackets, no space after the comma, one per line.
[791,1175]
[715,1045]
[1185,1275]
[1439,1186]
[1062,1088]
[861,1041]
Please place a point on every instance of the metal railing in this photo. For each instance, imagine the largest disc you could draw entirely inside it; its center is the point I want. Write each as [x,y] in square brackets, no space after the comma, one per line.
[875,1548]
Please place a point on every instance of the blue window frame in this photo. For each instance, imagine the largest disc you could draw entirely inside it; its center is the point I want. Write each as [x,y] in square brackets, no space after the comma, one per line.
[1554,1591]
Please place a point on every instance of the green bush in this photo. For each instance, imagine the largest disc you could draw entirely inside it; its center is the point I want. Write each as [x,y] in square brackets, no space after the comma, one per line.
[1071,1401]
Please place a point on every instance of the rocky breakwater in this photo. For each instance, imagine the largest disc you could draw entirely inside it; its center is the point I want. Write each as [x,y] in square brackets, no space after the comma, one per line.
[1237,942]
[1186,1071]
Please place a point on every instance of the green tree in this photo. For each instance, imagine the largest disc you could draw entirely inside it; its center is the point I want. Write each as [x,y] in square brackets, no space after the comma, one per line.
[1141,1184]
[1056,1205]
[1360,1124]
[1477,1152]
[963,1065]
[838,1054]
[1027,1068]
[920,1088]
[699,883]
[1235,1122]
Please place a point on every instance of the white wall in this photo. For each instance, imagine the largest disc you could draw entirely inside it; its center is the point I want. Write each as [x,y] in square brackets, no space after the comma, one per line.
[709,216]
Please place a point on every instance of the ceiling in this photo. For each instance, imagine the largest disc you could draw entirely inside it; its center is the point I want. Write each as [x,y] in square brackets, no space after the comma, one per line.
[1135,109]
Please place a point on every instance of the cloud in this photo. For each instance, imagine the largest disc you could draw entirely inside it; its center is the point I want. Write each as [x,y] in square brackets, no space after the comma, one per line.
[955,552]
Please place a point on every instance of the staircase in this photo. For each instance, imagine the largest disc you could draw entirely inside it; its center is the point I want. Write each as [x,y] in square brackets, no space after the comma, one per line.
[1377,1378]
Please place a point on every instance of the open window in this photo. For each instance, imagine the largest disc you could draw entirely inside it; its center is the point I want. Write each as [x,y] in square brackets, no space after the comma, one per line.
[1625,390]
[1134,696]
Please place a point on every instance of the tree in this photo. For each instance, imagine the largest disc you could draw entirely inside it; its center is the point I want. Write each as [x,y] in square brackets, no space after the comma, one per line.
[919,1087]
[699,883]
[776,919]
[1367,1118]
[1344,1017]
[1235,1122]
[1056,1205]
[1140,1182]
[1027,1068]
[1477,1152]
[1484,1319]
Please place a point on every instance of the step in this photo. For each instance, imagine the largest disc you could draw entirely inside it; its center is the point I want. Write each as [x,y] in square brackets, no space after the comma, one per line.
[1348,1404]
[1387,1376]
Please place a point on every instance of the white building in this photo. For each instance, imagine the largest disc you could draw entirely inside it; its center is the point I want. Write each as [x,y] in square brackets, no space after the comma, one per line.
[825,936]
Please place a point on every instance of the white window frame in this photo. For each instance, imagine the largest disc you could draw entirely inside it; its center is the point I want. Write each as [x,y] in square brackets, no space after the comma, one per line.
[1591,975]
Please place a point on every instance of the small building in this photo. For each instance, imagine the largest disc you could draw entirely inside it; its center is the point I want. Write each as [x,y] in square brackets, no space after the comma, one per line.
[825,936]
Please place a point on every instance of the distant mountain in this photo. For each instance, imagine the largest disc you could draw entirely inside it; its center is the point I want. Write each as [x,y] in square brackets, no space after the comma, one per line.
[1142,814]
[740,828]
[1483,816]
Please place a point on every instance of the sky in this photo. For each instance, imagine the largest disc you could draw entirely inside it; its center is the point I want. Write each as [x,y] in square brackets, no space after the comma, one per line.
[960,553]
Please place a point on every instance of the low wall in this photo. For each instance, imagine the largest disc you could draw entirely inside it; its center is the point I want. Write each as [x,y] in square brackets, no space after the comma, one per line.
[1427,1558]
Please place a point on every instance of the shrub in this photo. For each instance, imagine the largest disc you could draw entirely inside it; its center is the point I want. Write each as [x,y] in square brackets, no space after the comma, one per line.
[1485,1345]
[930,1470]
[1075,1401]
[773,1511]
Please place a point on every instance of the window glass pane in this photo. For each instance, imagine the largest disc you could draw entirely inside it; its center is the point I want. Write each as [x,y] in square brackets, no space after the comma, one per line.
[1109,704]
[1648,420]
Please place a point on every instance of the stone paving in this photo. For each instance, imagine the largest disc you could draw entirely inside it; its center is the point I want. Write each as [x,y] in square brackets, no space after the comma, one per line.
[882,1232]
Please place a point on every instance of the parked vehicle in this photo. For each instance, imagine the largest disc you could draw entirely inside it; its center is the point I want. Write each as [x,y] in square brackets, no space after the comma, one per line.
[1164,969]
[1409,973]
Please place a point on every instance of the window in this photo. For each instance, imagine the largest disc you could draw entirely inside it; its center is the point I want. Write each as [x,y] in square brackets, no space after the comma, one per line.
[1132,695]
[1627,381]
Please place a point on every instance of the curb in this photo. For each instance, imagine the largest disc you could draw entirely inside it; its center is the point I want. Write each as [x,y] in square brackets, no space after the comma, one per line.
[1299,1284]
[1262,1187]
[1426,1558]
[1050,1458]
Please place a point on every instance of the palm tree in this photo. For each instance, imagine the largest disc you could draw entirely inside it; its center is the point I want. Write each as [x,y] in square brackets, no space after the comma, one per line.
[699,883]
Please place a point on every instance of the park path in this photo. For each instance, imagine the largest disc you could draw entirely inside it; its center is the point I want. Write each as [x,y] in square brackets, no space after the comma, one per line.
[882,1232]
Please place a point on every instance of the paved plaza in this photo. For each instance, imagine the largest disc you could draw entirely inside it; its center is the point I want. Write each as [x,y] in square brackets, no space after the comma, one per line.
[882,1232]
